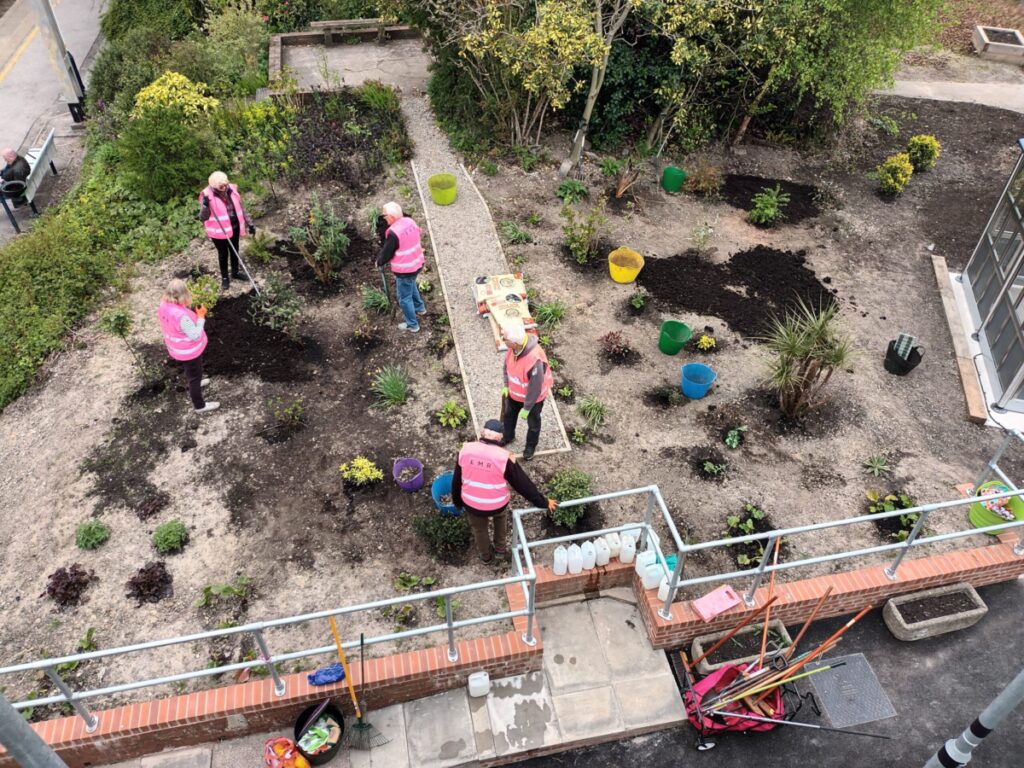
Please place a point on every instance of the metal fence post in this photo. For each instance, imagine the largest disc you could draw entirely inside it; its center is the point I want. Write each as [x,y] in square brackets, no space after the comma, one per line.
[22,742]
[1019,549]
[265,651]
[987,471]
[91,721]
[531,600]
[890,572]
[648,514]
[453,652]
[673,582]
[749,597]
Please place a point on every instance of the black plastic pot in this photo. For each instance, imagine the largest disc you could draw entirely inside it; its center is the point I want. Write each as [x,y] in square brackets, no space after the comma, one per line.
[897,365]
[306,719]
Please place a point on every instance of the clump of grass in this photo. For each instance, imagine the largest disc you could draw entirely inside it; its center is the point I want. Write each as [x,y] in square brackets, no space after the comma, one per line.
[593,411]
[550,313]
[375,299]
[391,386]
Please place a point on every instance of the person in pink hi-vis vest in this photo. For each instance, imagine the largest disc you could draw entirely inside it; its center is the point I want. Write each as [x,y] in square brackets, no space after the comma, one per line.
[224,217]
[403,250]
[185,337]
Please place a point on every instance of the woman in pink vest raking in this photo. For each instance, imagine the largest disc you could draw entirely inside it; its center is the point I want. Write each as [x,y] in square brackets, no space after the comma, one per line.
[223,216]
[185,337]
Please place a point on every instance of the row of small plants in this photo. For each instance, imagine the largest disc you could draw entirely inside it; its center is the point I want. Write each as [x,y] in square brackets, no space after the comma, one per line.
[895,173]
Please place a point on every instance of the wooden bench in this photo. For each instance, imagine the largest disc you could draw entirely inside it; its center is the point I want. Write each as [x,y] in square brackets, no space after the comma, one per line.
[349,26]
[38,158]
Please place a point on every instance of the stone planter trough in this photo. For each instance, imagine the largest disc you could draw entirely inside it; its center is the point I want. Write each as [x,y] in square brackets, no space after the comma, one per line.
[904,630]
[999,44]
[706,641]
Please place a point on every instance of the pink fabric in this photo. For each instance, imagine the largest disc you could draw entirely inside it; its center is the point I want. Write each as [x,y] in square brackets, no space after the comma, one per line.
[483,476]
[706,723]
[409,256]
[179,346]
[218,226]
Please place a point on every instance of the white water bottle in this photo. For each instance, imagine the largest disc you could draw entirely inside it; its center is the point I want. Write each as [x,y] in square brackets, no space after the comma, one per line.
[589,554]
[614,544]
[652,576]
[628,549]
[561,561]
[604,554]
[644,559]
[663,589]
[575,559]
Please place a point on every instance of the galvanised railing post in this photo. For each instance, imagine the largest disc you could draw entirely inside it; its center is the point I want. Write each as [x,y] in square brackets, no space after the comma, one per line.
[453,652]
[531,600]
[749,597]
[91,721]
[677,572]
[987,472]
[1019,549]
[890,572]
[265,654]
[648,515]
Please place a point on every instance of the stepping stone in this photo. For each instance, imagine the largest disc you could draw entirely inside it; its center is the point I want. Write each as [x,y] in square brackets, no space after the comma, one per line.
[522,714]
[573,652]
[440,730]
[588,714]
[200,757]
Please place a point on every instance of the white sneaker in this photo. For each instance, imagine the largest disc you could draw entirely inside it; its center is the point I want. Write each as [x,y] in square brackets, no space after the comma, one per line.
[421,312]
[204,382]
[210,406]
[405,327]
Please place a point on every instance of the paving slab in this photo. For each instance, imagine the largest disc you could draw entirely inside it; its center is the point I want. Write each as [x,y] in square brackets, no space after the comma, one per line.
[650,701]
[522,714]
[439,730]
[623,638]
[622,594]
[246,751]
[390,721]
[573,655]
[197,757]
[588,714]
[399,62]
[482,728]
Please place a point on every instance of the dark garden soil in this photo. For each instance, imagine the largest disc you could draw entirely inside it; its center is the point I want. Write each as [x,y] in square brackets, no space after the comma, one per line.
[700,459]
[746,642]
[749,553]
[1001,36]
[933,607]
[738,191]
[745,292]
[356,266]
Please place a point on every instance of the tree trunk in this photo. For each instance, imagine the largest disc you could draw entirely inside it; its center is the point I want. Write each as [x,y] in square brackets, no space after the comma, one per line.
[749,114]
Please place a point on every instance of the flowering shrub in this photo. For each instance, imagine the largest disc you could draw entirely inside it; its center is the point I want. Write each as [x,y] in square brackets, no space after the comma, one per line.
[360,472]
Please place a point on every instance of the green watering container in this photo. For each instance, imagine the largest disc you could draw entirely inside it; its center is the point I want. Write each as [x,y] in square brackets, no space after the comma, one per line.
[673,336]
[672,178]
[442,188]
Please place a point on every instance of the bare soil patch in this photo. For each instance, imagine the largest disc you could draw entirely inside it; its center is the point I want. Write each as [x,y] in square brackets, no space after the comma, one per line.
[738,190]
[933,607]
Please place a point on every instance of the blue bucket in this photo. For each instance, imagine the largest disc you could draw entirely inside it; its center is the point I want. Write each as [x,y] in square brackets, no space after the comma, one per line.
[442,486]
[697,380]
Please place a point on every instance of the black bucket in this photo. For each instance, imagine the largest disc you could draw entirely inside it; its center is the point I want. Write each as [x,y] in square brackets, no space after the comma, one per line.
[897,365]
[308,717]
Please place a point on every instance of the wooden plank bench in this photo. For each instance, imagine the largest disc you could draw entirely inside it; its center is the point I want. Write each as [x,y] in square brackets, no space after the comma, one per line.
[348,25]
[38,158]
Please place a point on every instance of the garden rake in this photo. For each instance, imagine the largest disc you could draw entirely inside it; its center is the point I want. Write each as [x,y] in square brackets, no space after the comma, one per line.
[238,256]
[363,734]
[387,292]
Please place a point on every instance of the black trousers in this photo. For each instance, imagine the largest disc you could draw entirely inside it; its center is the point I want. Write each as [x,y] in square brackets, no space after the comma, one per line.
[193,380]
[224,251]
[512,409]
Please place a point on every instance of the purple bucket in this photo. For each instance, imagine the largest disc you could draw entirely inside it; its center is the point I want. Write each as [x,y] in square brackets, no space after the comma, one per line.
[413,484]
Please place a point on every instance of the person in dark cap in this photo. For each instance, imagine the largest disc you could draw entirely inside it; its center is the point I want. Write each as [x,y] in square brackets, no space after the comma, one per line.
[484,471]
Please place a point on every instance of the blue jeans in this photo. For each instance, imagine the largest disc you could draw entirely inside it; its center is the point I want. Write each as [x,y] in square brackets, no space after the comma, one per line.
[409,299]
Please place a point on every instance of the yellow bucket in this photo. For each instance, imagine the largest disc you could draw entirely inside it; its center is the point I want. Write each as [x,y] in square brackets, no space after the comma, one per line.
[624,264]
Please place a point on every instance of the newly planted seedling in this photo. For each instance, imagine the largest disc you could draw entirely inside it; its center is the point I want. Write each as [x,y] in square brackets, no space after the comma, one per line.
[876,466]
[734,437]
[360,472]
[391,386]
[451,415]
[594,411]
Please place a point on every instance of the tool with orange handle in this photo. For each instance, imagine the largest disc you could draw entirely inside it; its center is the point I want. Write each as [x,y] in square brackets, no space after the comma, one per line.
[344,665]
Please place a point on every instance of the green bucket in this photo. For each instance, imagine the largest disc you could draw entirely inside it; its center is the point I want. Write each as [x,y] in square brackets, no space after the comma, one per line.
[672,178]
[442,188]
[982,517]
[673,336]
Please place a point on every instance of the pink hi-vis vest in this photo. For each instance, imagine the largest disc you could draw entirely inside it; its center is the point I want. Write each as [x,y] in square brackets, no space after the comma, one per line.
[518,369]
[409,256]
[218,226]
[179,346]
[483,476]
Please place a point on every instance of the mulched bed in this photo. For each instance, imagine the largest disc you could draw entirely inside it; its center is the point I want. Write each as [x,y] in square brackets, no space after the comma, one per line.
[354,267]
[738,190]
[744,292]
[934,607]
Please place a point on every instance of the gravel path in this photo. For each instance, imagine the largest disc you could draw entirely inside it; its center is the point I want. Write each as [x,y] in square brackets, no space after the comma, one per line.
[466,245]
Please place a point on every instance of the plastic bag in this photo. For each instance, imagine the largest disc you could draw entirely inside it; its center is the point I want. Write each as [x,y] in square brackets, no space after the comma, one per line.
[282,753]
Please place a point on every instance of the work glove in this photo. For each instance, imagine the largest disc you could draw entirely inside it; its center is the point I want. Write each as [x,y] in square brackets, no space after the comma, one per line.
[552,505]
[251,230]
[504,391]
[524,414]
[201,312]
[206,200]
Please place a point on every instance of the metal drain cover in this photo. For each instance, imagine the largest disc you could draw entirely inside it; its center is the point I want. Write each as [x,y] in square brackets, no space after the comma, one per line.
[850,694]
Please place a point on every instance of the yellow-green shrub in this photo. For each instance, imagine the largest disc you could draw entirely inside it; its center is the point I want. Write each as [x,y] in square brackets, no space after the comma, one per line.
[174,90]
[361,471]
[923,150]
[894,173]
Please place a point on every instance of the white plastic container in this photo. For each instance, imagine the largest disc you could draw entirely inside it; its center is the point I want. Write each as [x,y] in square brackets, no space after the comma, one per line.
[644,559]
[628,549]
[604,553]
[575,559]
[663,589]
[589,554]
[652,576]
[614,543]
[479,684]
[561,564]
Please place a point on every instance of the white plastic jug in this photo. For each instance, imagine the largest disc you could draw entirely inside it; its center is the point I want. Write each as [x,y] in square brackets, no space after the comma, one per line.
[561,560]
[628,549]
[644,559]
[614,543]
[663,589]
[479,684]
[652,576]
[575,559]
[589,554]
[604,554]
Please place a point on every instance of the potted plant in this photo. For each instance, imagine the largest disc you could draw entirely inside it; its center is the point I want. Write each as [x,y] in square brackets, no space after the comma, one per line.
[933,612]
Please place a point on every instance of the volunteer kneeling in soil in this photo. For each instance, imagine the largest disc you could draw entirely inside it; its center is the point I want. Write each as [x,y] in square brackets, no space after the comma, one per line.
[483,473]
[186,339]
[528,380]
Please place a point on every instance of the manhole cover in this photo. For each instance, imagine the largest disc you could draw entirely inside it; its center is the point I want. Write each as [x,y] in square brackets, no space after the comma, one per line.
[850,694]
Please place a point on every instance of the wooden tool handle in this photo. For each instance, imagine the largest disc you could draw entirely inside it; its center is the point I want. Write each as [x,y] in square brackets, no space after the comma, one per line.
[344,666]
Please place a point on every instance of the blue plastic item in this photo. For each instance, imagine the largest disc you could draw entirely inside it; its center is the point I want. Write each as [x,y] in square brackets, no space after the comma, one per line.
[332,674]
[442,486]
[697,379]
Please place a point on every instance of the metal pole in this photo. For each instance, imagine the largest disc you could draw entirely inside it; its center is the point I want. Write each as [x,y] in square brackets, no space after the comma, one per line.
[749,597]
[984,233]
[453,652]
[987,472]
[673,586]
[648,514]
[265,651]
[91,721]
[531,600]
[72,94]
[22,742]
[890,572]
[956,752]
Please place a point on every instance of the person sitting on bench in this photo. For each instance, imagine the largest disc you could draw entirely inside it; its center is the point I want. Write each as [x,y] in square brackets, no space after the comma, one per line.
[14,175]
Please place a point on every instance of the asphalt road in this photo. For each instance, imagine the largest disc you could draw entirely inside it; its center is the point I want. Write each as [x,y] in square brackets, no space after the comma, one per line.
[28,86]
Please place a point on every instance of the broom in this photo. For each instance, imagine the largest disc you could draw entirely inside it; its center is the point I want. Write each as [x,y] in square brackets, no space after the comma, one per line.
[363,734]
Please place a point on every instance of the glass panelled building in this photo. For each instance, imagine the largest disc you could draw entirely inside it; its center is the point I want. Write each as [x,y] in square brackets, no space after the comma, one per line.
[994,287]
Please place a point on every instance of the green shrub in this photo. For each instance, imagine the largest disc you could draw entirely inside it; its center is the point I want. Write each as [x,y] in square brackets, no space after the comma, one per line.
[90,534]
[568,484]
[347,9]
[322,241]
[391,386]
[124,67]
[205,292]
[571,191]
[451,414]
[289,16]
[894,173]
[923,150]
[277,306]
[488,168]
[375,299]
[583,234]
[257,248]
[172,90]
[361,472]
[173,18]
[446,535]
[768,205]
[610,167]
[170,537]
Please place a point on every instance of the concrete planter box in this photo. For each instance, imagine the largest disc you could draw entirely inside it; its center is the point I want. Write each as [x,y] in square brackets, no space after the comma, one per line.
[1008,46]
[903,630]
[706,641]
